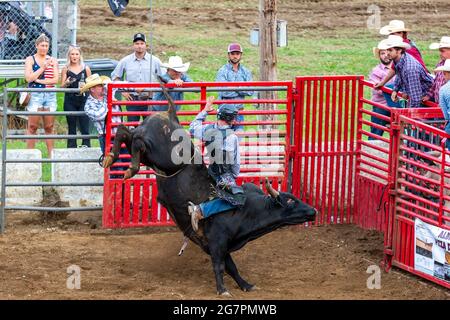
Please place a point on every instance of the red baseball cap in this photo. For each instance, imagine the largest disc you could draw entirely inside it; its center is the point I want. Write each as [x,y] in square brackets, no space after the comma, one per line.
[234,47]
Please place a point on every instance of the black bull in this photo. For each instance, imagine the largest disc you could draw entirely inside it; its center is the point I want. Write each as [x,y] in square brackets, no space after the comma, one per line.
[151,144]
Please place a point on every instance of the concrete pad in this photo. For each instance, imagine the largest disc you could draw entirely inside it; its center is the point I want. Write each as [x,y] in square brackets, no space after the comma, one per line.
[23,173]
[78,172]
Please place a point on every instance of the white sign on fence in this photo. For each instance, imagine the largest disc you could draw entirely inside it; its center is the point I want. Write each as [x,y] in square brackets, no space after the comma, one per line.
[432,250]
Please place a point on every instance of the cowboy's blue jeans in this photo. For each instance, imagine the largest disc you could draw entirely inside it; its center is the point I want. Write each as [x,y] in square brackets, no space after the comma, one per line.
[215,206]
[383,112]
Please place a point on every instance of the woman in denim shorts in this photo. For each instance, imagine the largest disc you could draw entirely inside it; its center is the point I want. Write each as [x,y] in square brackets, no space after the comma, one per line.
[41,71]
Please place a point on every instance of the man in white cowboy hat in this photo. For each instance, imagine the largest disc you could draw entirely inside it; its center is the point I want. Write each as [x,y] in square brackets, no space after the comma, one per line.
[234,71]
[378,73]
[176,73]
[397,28]
[136,68]
[438,82]
[444,95]
[412,79]
[96,106]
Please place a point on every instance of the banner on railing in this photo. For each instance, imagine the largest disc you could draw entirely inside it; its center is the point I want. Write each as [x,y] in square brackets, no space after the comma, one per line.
[432,250]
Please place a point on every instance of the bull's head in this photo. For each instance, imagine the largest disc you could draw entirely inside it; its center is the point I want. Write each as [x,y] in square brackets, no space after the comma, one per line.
[292,209]
[159,142]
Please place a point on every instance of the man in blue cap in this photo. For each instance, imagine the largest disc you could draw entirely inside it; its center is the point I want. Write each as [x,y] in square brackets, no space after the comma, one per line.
[222,145]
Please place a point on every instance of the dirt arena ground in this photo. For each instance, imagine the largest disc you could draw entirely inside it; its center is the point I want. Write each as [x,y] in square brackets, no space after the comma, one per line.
[328,262]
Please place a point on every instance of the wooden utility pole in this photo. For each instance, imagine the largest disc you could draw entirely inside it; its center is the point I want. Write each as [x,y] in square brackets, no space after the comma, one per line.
[268,49]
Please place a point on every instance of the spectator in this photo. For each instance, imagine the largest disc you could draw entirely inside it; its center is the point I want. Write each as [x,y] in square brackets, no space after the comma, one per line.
[397,28]
[9,40]
[96,109]
[444,96]
[378,73]
[412,79]
[234,71]
[439,81]
[96,106]
[136,68]
[176,73]
[41,71]
[74,75]
[12,31]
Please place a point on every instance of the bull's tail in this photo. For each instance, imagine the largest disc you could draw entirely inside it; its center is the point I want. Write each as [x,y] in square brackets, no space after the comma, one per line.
[171,110]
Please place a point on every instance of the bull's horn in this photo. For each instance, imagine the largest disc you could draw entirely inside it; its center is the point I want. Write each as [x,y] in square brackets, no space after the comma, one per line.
[171,109]
[271,190]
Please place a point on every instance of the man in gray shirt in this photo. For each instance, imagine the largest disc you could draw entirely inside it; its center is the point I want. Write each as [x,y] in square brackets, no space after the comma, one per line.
[136,68]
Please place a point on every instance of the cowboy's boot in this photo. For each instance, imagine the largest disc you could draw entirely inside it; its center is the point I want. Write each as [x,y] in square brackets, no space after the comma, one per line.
[196,214]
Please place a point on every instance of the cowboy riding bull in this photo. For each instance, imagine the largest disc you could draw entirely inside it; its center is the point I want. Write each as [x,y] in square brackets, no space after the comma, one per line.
[183,184]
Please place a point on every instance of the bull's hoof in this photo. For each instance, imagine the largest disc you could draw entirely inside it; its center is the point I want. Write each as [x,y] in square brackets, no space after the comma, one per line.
[108,160]
[250,288]
[225,294]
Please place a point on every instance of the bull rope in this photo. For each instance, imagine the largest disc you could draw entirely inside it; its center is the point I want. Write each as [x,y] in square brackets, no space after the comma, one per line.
[174,174]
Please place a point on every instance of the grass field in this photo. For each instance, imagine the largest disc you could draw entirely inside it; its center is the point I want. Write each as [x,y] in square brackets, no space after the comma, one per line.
[323,37]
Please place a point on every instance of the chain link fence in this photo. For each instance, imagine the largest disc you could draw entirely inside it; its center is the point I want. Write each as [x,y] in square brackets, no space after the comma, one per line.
[21,22]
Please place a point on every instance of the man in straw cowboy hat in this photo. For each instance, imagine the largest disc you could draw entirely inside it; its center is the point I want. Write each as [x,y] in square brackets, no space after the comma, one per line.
[444,95]
[378,73]
[96,106]
[397,28]
[439,81]
[176,73]
[412,78]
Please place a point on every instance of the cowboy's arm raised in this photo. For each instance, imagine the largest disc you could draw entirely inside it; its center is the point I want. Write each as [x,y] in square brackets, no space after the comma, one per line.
[196,128]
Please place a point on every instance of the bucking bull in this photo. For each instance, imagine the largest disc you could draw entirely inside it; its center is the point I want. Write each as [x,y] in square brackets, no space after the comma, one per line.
[151,144]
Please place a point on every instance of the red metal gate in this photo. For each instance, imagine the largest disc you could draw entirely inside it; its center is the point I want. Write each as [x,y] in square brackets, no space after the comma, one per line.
[324,144]
[264,149]
[393,175]
[422,191]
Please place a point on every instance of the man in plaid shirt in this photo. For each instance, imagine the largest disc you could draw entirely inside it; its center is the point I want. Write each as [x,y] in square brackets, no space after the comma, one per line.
[96,106]
[412,79]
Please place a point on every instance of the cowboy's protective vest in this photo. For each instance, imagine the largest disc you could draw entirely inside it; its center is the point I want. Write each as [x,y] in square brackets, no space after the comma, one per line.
[214,145]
